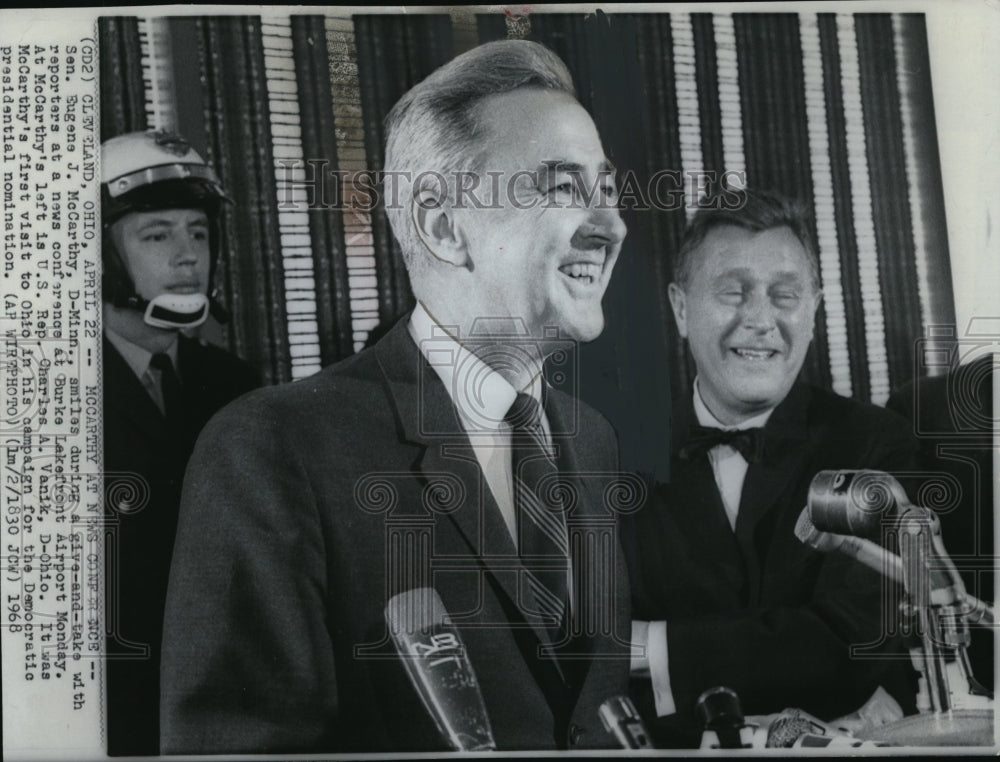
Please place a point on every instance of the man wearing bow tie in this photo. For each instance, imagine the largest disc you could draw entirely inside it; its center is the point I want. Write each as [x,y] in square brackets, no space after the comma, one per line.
[724,592]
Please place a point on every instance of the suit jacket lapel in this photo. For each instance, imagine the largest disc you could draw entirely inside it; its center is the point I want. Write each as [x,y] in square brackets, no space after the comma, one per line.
[129,398]
[786,434]
[697,504]
[427,417]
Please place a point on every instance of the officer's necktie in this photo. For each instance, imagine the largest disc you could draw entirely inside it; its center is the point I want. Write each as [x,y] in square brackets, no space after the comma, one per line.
[170,385]
[541,523]
[748,442]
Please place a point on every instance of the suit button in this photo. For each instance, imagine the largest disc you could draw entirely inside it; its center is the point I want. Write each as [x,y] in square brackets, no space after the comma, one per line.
[575,734]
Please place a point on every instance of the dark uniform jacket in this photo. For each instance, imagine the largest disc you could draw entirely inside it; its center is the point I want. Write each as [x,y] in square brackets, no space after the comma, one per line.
[144,460]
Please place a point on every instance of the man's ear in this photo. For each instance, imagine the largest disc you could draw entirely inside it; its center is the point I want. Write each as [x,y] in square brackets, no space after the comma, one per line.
[677,301]
[818,297]
[437,227]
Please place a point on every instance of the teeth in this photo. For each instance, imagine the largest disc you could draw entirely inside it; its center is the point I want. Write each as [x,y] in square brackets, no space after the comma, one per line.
[755,354]
[582,271]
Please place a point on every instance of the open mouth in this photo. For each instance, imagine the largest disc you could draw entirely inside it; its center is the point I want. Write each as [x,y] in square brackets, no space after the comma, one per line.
[184,288]
[754,354]
[583,272]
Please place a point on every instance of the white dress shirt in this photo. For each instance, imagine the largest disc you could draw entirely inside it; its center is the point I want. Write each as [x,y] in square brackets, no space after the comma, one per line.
[482,398]
[728,464]
[730,469]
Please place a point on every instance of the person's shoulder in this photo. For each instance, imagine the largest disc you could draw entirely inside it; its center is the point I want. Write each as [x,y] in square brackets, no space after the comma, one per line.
[958,401]
[845,413]
[589,433]
[347,389]
[213,359]
[584,415]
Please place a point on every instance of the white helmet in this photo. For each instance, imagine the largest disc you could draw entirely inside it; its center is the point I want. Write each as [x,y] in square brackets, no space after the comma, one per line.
[145,171]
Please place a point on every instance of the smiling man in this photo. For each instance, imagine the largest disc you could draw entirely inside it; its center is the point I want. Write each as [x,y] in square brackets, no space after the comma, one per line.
[724,592]
[160,208]
[420,462]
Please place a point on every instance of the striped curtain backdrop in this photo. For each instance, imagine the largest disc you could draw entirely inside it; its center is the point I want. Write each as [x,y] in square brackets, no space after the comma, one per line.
[835,109]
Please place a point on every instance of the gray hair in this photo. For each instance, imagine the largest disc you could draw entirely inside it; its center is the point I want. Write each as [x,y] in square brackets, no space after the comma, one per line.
[754,210]
[432,131]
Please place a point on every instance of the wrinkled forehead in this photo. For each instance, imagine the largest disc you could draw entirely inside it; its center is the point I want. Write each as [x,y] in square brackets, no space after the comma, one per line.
[772,255]
[531,127]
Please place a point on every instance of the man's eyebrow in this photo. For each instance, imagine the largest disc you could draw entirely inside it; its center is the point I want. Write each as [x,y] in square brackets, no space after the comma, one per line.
[784,276]
[156,222]
[560,165]
[160,221]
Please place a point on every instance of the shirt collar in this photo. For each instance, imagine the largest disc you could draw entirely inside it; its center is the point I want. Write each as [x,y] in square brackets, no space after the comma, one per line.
[706,418]
[480,394]
[135,356]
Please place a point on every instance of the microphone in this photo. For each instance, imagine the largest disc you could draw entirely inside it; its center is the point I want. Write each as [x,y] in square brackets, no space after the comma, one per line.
[854,502]
[720,710]
[846,507]
[864,551]
[620,718]
[439,668]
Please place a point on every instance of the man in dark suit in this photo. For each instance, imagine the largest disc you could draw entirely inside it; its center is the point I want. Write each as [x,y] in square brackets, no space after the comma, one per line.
[307,507]
[160,202]
[724,593]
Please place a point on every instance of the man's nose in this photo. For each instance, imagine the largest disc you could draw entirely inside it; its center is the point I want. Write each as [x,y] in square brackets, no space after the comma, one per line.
[604,227]
[759,313]
[187,250]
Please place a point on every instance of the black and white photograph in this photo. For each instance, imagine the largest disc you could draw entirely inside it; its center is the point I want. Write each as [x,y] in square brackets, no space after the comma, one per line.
[550,379]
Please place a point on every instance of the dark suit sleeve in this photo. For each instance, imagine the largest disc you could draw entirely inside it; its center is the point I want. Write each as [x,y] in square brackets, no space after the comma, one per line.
[799,654]
[786,656]
[247,659]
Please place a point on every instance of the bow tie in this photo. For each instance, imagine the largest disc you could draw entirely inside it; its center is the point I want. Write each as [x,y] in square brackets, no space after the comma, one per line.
[748,442]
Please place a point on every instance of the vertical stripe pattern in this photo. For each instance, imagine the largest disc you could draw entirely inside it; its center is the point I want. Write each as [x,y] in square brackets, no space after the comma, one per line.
[292,198]
[734,158]
[353,163]
[158,74]
[823,203]
[688,115]
[913,183]
[835,109]
[861,211]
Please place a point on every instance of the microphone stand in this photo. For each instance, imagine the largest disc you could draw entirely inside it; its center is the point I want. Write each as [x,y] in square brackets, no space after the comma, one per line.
[935,597]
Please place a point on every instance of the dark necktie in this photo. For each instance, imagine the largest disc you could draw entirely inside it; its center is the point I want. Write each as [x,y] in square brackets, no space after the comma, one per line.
[170,385]
[541,523]
[748,442]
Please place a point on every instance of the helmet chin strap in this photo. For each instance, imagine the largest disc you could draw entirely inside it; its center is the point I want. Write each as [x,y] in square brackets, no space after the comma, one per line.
[171,311]
[177,310]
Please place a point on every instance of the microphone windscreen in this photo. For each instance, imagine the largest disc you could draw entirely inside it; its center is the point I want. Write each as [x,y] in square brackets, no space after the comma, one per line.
[719,706]
[418,609]
[853,503]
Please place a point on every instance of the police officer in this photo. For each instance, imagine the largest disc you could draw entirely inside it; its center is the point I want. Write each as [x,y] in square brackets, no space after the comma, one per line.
[160,207]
